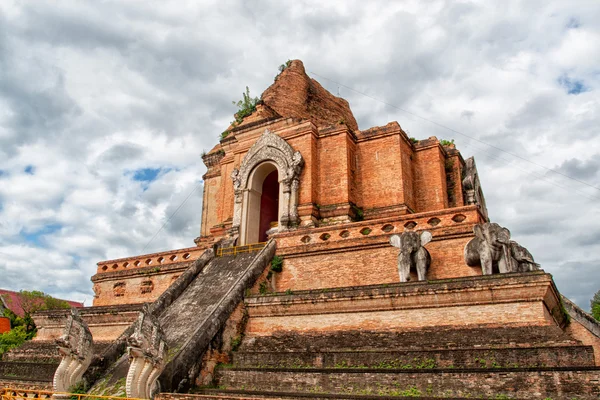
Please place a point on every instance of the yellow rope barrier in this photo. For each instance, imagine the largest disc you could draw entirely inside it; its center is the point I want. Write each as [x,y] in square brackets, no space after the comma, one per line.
[235,250]
[26,394]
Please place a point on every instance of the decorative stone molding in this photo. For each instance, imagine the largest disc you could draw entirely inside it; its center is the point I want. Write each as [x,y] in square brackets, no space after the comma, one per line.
[472,187]
[76,348]
[147,351]
[289,163]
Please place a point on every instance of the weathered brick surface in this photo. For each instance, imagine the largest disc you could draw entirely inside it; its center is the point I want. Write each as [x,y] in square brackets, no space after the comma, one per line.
[511,299]
[106,323]
[580,332]
[556,356]
[343,255]
[581,383]
[42,372]
[140,279]
[439,338]
[15,383]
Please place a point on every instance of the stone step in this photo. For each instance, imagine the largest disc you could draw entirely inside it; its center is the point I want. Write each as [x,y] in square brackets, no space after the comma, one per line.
[32,371]
[526,383]
[220,394]
[419,339]
[557,356]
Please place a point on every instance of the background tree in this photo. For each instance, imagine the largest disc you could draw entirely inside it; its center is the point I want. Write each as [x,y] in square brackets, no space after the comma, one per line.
[23,328]
[595,304]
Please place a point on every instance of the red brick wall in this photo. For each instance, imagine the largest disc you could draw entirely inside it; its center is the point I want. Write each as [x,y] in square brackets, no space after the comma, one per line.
[380,172]
[579,332]
[430,177]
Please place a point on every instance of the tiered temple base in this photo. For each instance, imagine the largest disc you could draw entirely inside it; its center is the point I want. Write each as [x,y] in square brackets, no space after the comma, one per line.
[500,336]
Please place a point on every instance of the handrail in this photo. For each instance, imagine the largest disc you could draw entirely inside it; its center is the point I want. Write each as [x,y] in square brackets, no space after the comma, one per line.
[26,394]
[235,250]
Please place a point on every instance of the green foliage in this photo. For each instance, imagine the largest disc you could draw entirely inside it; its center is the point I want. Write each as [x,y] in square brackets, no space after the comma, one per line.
[23,328]
[263,288]
[39,301]
[277,264]
[246,106]
[595,305]
[224,134]
[78,388]
[282,68]
[412,140]
[358,212]
[236,342]
[13,338]
[445,142]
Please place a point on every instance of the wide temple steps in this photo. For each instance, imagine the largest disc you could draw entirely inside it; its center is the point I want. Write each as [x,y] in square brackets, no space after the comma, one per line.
[298,345]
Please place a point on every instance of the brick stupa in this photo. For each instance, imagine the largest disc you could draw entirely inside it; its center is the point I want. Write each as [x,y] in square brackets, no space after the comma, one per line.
[333,262]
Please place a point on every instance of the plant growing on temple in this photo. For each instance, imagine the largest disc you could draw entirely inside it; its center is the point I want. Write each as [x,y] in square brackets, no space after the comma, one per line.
[246,106]
[445,142]
[595,304]
[277,264]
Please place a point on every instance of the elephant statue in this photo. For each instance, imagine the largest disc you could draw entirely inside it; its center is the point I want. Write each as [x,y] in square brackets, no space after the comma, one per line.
[492,249]
[412,254]
[522,258]
[489,248]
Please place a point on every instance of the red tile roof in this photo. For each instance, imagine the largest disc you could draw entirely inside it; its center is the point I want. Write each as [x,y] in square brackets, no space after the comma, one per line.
[12,301]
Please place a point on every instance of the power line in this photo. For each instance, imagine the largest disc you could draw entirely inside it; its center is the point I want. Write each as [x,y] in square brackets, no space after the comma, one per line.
[457,132]
[172,215]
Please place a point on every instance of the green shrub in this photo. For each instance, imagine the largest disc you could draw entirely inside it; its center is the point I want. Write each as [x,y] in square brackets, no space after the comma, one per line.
[445,142]
[277,264]
[246,106]
[13,338]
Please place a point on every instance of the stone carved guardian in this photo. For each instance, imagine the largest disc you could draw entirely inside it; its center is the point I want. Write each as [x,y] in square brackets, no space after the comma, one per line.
[76,348]
[413,255]
[237,193]
[292,181]
[147,351]
[472,187]
[492,249]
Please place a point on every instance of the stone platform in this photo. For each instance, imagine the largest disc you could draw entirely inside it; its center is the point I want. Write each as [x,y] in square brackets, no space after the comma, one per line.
[497,336]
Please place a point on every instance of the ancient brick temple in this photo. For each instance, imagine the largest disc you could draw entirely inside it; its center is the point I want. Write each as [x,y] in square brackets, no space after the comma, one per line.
[332,262]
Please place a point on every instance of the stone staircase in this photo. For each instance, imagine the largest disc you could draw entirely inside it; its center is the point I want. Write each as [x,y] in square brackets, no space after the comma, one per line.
[492,361]
[190,313]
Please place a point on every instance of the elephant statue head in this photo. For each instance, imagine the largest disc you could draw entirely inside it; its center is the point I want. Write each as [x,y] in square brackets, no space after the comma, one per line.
[412,254]
[490,248]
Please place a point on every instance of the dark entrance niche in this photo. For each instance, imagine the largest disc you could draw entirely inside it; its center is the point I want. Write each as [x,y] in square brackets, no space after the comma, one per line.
[269,205]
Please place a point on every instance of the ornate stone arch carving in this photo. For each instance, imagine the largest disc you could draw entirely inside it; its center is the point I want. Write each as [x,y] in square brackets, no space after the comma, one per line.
[270,148]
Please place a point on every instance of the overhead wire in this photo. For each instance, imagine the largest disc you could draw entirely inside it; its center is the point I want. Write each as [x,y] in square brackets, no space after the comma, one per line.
[457,132]
[171,217]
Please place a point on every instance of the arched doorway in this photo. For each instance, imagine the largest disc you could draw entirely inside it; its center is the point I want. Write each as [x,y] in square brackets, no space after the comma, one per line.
[261,203]
[270,154]
[269,205]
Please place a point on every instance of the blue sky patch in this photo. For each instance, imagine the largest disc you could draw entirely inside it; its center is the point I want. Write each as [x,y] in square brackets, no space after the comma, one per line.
[147,174]
[30,169]
[573,86]
[35,236]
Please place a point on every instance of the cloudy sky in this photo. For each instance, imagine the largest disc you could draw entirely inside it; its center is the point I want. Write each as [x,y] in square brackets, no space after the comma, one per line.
[106,106]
